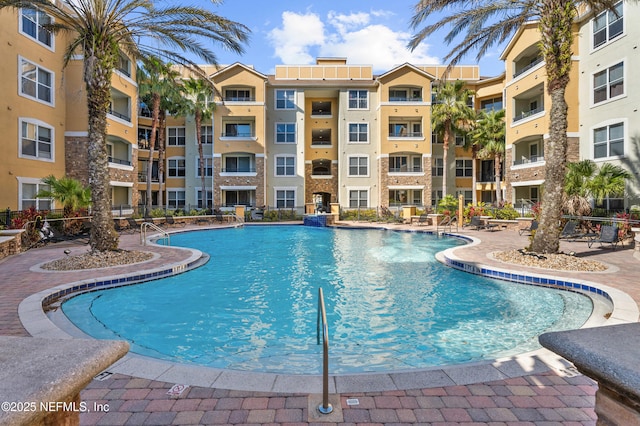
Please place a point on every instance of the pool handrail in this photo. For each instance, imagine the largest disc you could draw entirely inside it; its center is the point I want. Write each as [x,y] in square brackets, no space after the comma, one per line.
[143,232]
[325,407]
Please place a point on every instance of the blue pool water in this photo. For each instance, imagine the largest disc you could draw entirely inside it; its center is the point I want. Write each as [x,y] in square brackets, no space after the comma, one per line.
[390,304]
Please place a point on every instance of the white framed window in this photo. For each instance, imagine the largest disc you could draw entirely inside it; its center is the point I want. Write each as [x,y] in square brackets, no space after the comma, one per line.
[358,165]
[237,130]
[285,132]
[436,196]
[358,198]
[285,198]
[608,141]
[208,203]
[358,99]
[608,84]
[437,167]
[176,199]
[358,132]
[176,136]
[32,22]
[608,25]
[206,135]
[176,167]
[464,168]
[285,99]
[285,165]
[35,82]
[405,163]
[208,166]
[36,140]
[27,191]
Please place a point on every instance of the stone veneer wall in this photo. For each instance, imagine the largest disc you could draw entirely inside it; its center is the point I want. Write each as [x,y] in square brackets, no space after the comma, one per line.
[536,173]
[257,181]
[77,165]
[412,180]
[329,185]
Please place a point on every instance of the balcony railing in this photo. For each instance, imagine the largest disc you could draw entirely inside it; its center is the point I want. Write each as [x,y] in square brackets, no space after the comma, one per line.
[120,115]
[404,99]
[237,135]
[524,114]
[528,67]
[119,161]
[405,169]
[142,177]
[405,134]
[323,142]
[239,99]
[528,160]
[238,170]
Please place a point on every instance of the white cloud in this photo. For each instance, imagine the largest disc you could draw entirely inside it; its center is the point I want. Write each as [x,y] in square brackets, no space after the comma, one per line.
[354,36]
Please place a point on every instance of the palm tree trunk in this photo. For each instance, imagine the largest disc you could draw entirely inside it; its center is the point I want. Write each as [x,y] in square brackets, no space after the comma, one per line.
[445,155]
[547,237]
[98,82]
[474,178]
[162,125]
[155,111]
[198,120]
[497,165]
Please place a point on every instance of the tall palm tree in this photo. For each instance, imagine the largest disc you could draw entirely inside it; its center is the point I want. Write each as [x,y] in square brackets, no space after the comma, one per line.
[156,80]
[451,114]
[100,30]
[484,23]
[198,103]
[489,131]
[67,191]
[585,181]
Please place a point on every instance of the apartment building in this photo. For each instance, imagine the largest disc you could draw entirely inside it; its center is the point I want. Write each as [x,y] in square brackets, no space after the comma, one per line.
[45,115]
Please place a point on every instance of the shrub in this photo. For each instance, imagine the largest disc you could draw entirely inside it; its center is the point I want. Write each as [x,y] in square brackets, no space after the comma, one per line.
[507,213]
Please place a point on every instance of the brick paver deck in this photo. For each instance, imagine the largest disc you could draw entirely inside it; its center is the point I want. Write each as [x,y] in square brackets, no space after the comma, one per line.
[540,399]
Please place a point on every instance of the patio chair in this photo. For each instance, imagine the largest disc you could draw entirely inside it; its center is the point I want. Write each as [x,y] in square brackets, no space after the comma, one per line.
[570,232]
[532,227]
[424,219]
[133,224]
[479,224]
[170,221]
[608,235]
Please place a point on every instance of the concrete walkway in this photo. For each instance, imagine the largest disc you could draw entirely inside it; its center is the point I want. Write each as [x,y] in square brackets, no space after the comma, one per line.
[543,397]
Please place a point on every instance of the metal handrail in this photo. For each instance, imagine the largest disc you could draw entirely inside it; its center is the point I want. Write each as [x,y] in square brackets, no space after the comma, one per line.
[143,232]
[325,407]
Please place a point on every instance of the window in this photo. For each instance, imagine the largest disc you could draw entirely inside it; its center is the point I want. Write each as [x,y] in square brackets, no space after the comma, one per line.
[401,130]
[32,22]
[176,199]
[238,164]
[144,137]
[608,25]
[209,200]
[358,166]
[36,82]
[609,83]
[467,195]
[436,196]
[398,197]
[437,169]
[237,130]
[238,198]
[285,99]
[237,95]
[464,168]
[124,65]
[460,140]
[608,141]
[285,166]
[358,99]
[206,135]
[28,190]
[208,167]
[321,137]
[176,136]
[494,104]
[358,198]
[176,167]
[285,132]
[285,198]
[36,140]
[358,132]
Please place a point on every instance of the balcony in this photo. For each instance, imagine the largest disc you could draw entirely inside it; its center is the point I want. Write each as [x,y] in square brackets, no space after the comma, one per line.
[526,114]
[238,169]
[532,63]
[120,106]
[405,134]
[406,169]
[405,94]
[321,109]
[119,161]
[528,160]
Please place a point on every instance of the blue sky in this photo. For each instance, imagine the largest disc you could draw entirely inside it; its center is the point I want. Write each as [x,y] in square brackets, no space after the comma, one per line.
[366,32]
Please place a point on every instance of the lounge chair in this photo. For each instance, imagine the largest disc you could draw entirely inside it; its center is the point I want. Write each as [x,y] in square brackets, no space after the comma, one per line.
[608,235]
[133,224]
[532,227]
[570,232]
[424,219]
[479,224]
[170,221]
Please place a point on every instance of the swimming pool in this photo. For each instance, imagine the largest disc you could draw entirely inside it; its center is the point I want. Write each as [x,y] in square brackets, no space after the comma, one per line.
[390,305]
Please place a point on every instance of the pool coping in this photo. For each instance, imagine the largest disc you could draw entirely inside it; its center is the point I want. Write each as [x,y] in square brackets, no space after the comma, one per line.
[38,324]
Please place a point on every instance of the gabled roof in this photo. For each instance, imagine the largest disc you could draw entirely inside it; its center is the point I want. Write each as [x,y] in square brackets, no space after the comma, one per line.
[411,67]
[236,65]
[515,38]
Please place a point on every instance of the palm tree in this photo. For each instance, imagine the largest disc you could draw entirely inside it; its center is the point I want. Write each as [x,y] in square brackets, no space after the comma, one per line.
[489,22]
[155,81]
[99,30]
[489,132]
[585,181]
[451,114]
[198,103]
[67,191]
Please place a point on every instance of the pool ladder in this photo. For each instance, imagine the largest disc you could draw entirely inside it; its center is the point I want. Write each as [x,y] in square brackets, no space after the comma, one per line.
[143,233]
[325,407]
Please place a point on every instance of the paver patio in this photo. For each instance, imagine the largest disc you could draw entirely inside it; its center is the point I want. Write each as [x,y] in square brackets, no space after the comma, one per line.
[549,398]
